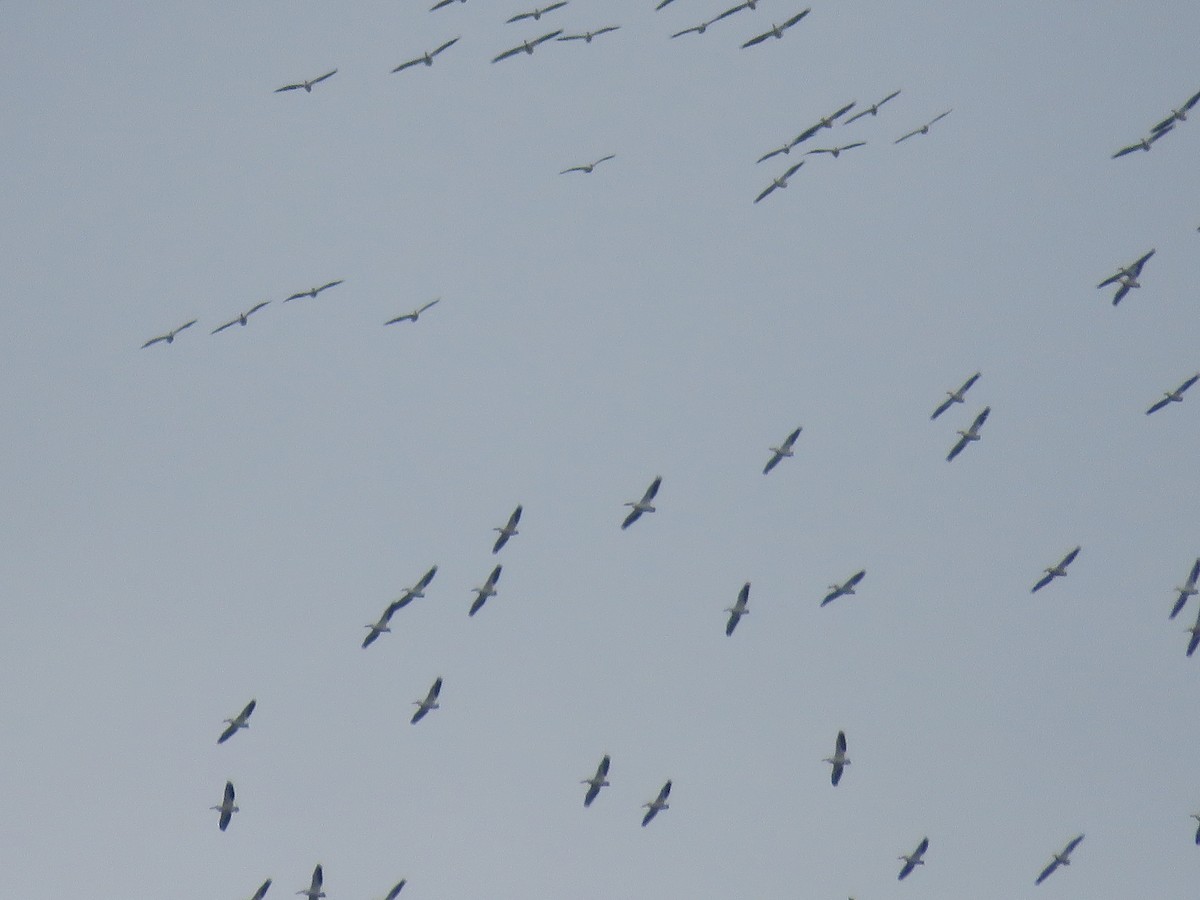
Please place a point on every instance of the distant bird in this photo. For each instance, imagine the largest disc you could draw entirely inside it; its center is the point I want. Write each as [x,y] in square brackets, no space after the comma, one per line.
[417,591]
[699,29]
[1194,640]
[953,397]
[430,701]
[314,891]
[414,315]
[509,529]
[307,85]
[1144,143]
[837,151]
[924,129]
[1060,859]
[783,451]
[1178,115]
[839,760]
[781,181]
[536,14]
[312,292]
[738,609]
[169,337]
[427,57]
[911,862]
[656,805]
[1188,589]
[527,46]
[776,31]
[1196,816]
[587,36]
[395,891]
[873,109]
[643,505]
[241,720]
[227,807]
[488,589]
[971,434]
[1058,571]
[383,625]
[1126,277]
[587,167]
[1175,396]
[748,4]
[844,589]
[442,3]
[597,781]
[262,890]
[241,319]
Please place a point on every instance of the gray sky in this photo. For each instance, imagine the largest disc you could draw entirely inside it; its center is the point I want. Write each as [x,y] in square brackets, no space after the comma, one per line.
[193,525]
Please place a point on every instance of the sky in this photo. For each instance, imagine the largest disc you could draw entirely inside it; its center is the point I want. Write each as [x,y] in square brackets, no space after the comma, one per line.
[189,526]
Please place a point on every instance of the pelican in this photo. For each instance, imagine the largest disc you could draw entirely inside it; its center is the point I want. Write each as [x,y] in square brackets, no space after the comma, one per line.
[508,530]
[1175,396]
[699,29]
[378,628]
[1058,571]
[314,891]
[924,129]
[487,590]
[430,701]
[1178,115]
[1194,640]
[738,609]
[839,760]
[776,30]
[414,315]
[953,397]
[873,109]
[658,803]
[1144,143]
[312,292]
[971,434]
[782,451]
[527,46]
[587,167]
[597,781]
[842,590]
[781,181]
[307,85]
[837,151]
[1060,859]
[416,591]
[1196,816]
[241,720]
[911,862]
[643,505]
[536,14]
[227,807]
[587,36]
[169,337]
[395,891]
[1126,277]
[747,4]
[426,57]
[1188,589]
[262,890]
[241,319]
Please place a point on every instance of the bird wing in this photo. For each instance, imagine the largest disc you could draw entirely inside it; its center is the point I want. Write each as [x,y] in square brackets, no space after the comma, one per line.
[494,577]
[1159,405]
[796,18]
[981,418]
[793,170]
[945,405]
[665,792]
[223,822]
[757,40]
[938,117]
[1074,842]
[515,518]
[546,37]
[317,879]
[832,595]
[1187,384]
[731,624]
[328,74]
[909,865]
[1069,558]
[427,305]
[449,43]
[228,793]
[507,53]
[391,895]
[247,710]
[772,462]
[1164,124]
[856,578]
[891,96]
[1111,279]
[435,690]
[574,169]
[845,109]
[730,12]
[403,318]
[229,732]
[767,156]
[820,150]
[957,449]
[440,4]
[852,146]
[1046,872]
[966,386]
[262,890]
[1157,134]
[592,792]
[223,327]
[424,583]
[652,490]
[288,87]
[907,136]
[1180,602]
[841,742]
[1120,294]
[1194,574]
[1119,153]
[330,284]
[575,37]
[501,540]
[743,595]
[418,715]
[1137,266]
[161,337]
[1042,582]
[836,775]
[399,68]
[1193,642]
[256,307]
[554,6]
[183,326]
[650,814]
[372,635]
[605,159]
[602,769]
[518,17]
[791,438]
[696,28]
[634,515]
[858,115]
[806,134]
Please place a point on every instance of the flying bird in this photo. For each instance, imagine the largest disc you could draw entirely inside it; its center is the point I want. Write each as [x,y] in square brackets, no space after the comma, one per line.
[430,701]
[699,29]
[587,167]
[417,591]
[307,85]
[953,397]
[781,181]
[1188,589]
[378,628]
[783,451]
[911,862]
[414,315]
[1194,640]
[1178,115]
[537,13]
[241,319]
[1144,143]
[835,152]
[839,760]
[871,110]
[1060,859]
[597,781]
[169,337]
[426,57]
[527,46]
[971,434]
[657,804]
[776,30]
[509,529]
[1126,277]
[1175,396]
[241,720]
[262,890]
[312,292]
[844,589]
[587,36]
[395,891]
[924,129]
[227,807]
[642,506]
[314,891]
[738,609]
[1058,571]
[488,589]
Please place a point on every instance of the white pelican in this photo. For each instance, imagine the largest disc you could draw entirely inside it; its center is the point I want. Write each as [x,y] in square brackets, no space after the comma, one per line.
[924,129]
[643,505]
[1188,589]
[839,760]
[738,609]
[835,152]
[587,167]
[911,862]
[378,628]
[658,803]
[537,13]
[395,891]
[262,890]
[873,109]
[414,315]
[699,29]
[1126,277]
[241,319]
[1060,859]
[169,337]
[312,292]
[307,85]
[587,36]
[597,781]
[527,46]
[241,720]
[1178,115]
[227,807]
[953,397]
[509,529]
[776,30]
[1194,640]
[1058,571]
[314,891]
[426,57]
[971,434]
[417,591]
[488,589]
[783,451]
[781,181]
[842,590]
[1175,396]
[1144,143]
[430,701]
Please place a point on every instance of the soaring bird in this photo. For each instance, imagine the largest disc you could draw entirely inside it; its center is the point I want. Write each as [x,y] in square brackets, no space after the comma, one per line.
[924,129]
[262,890]
[1144,143]
[527,46]
[169,337]
[657,804]
[414,315]
[227,807]
[395,891]
[783,451]
[312,292]
[1058,571]
[1194,640]
[314,891]
[873,109]
[587,167]
[241,720]
[597,781]
[738,609]
[1175,396]
[644,505]
[781,181]
[1188,589]
[488,589]
[426,57]
[509,529]
[1060,859]
[378,628]
[417,591]
[839,760]
[914,860]
[835,152]
[1126,277]
[699,29]
[537,13]
[1178,115]
[430,701]
[587,36]
[307,85]
[953,397]
[776,31]
[844,589]
[241,319]
[971,434]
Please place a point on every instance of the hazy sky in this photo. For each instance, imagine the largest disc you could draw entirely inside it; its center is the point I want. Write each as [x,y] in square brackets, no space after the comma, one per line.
[192,525]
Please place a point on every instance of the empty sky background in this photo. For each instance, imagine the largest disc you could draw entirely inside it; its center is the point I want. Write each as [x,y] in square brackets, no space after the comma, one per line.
[192,525]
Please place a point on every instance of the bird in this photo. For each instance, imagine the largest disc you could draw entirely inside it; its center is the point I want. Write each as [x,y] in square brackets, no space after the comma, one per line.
[442,3]
[837,151]
[747,4]
[378,628]
[783,451]
[1188,589]
[953,397]
[169,337]
[871,110]
[781,181]
[426,57]
[911,862]
[509,529]
[1175,396]
[416,591]
[241,319]
[658,804]
[1178,115]
[844,589]
[536,14]
[1194,640]
[307,85]
[241,720]
[738,609]
[430,701]
[1060,859]
[395,891]
[776,30]
[643,505]
[227,807]
[487,590]
[262,890]
[414,315]
[839,760]
[527,46]
[597,781]
[587,36]
[314,891]
[699,29]
[312,292]
[924,129]
[1058,571]
[587,167]
[1144,143]
[971,434]
[1126,277]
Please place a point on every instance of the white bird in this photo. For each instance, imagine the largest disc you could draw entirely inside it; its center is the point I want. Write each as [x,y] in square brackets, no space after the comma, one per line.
[783,451]
[307,85]
[738,609]
[1175,396]
[597,781]
[417,591]
[642,506]
[587,167]
[1126,277]
[314,891]
[873,109]
[241,720]
[776,31]
[169,337]
[914,860]
[953,397]
[1060,859]
[414,315]
[1144,143]
[924,129]
[242,318]
[426,57]
[845,589]
[839,760]
[227,807]
[587,36]
[1188,589]
[781,181]
[536,14]
[971,434]
[430,701]
[1178,115]
[312,292]
[1058,571]
[509,529]
[488,589]
[395,891]
[656,805]
[262,890]
[527,46]
[835,152]
[383,625]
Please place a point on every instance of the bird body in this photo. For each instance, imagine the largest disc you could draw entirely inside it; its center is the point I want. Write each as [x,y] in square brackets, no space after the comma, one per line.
[597,781]
[844,589]
[839,760]
[914,860]
[738,609]
[642,506]
[241,720]
[1057,571]
[783,451]
[169,337]
[430,701]
[1060,859]
[657,805]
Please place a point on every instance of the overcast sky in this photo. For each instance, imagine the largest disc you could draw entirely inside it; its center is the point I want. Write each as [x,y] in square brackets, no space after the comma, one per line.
[196,524]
